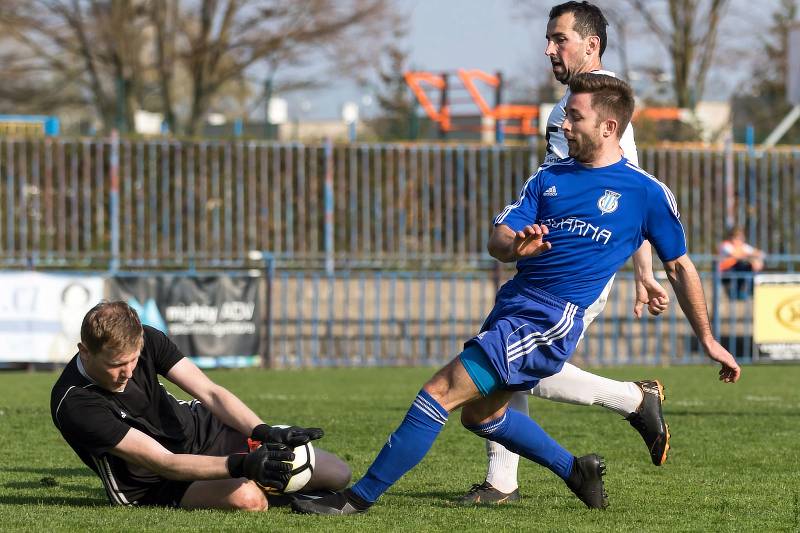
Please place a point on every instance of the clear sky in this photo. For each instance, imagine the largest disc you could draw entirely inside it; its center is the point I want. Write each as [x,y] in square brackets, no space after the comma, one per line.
[480,34]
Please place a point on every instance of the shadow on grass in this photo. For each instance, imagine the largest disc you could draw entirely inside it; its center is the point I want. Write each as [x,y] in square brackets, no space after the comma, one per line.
[738,414]
[44,485]
[55,500]
[38,485]
[55,472]
[447,500]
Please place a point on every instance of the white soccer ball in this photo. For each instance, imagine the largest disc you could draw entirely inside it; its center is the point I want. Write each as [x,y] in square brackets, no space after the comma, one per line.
[302,467]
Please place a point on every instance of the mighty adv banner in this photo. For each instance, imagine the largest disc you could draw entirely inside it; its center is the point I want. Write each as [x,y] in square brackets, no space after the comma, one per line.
[213,319]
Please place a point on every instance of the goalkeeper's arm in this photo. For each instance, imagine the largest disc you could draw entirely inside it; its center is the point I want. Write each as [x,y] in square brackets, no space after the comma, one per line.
[229,409]
[264,465]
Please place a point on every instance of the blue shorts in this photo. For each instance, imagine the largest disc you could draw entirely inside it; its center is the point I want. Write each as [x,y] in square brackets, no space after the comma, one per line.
[529,335]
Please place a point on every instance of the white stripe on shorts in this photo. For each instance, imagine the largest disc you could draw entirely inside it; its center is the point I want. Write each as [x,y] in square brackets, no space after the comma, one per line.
[562,332]
[513,348]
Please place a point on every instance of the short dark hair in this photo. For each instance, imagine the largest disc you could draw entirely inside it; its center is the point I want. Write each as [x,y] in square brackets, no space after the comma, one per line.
[611,97]
[111,327]
[733,230]
[589,20]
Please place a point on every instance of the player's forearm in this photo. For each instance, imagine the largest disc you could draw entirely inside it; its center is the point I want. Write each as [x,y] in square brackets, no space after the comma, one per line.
[689,290]
[501,245]
[643,262]
[504,255]
[140,449]
[232,411]
[187,467]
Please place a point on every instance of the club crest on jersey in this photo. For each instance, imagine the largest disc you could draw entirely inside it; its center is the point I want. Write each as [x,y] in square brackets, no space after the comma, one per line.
[609,202]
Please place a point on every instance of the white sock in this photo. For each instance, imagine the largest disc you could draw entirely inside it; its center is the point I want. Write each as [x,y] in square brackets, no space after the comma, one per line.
[573,385]
[503,464]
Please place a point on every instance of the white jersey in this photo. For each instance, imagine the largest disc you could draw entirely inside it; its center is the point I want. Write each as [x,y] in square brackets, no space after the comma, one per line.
[557,144]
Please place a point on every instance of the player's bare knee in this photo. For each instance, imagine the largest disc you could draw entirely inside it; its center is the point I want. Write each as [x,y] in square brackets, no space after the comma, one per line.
[249,498]
[437,387]
[441,384]
[331,472]
[341,475]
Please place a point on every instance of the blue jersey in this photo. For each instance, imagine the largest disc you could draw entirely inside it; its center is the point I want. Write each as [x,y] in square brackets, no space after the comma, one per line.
[597,217]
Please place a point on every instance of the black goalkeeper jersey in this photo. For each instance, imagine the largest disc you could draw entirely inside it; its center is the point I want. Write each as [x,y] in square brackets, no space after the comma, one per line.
[94,420]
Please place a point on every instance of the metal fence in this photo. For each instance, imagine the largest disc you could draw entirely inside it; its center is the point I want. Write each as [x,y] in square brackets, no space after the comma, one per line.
[303,318]
[371,318]
[169,204]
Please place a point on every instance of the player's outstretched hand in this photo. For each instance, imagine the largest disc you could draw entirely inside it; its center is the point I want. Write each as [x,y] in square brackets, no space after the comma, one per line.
[650,292]
[529,241]
[730,371]
[265,465]
[291,436]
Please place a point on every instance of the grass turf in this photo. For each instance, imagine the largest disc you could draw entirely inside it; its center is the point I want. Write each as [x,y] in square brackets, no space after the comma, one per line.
[733,464]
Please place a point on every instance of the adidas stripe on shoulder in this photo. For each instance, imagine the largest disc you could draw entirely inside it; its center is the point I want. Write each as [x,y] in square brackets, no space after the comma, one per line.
[504,213]
[673,204]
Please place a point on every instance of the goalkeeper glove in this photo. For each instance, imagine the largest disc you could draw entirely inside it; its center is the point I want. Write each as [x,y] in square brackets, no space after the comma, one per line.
[265,465]
[291,436]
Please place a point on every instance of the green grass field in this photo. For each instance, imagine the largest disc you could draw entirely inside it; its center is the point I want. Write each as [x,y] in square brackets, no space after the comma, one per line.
[733,465]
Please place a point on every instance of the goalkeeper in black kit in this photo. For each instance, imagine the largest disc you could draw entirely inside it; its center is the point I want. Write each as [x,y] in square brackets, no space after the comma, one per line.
[150,448]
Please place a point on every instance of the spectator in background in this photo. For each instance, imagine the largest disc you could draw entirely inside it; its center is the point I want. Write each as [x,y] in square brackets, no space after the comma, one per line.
[737,256]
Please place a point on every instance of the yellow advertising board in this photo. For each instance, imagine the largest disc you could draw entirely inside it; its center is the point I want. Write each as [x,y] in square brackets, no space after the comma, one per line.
[776,316]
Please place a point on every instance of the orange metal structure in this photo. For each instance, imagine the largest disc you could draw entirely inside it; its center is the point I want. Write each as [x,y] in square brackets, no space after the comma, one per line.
[659,113]
[415,80]
[525,116]
[517,119]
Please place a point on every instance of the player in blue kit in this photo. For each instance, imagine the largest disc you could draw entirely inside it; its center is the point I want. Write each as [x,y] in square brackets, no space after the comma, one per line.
[576,39]
[575,223]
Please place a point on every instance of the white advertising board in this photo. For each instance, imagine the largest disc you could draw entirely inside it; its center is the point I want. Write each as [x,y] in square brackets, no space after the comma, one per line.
[41,315]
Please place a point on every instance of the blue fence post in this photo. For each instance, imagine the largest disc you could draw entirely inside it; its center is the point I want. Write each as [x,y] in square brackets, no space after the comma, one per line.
[715,290]
[114,201]
[329,207]
[730,196]
[269,276]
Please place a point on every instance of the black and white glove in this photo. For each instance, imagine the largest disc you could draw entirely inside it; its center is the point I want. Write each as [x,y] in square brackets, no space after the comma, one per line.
[265,465]
[292,436]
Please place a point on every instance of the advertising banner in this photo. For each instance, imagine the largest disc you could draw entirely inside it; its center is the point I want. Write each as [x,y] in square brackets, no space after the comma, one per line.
[41,315]
[776,317]
[213,319]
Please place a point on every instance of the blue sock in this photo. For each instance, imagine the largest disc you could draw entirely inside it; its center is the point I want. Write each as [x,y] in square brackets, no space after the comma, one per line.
[405,448]
[523,436]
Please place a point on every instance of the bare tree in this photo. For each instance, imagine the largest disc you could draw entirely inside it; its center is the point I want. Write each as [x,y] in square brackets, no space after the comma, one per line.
[762,104]
[114,55]
[396,118]
[687,29]
[230,38]
[164,20]
[88,51]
